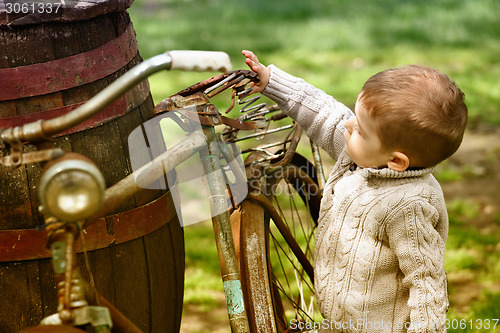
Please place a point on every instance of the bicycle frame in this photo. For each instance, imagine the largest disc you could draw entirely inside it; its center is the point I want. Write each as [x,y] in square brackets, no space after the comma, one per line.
[64,234]
[224,238]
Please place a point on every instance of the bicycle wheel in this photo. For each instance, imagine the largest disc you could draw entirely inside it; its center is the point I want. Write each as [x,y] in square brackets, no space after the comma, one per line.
[274,237]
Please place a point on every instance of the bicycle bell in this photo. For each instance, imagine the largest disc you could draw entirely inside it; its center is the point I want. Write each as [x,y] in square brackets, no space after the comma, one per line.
[71,188]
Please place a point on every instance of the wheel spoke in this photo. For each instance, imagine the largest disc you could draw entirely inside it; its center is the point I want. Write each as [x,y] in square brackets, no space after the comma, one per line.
[289,259]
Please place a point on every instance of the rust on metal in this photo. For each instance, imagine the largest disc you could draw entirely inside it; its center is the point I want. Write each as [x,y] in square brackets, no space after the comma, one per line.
[178,102]
[200,102]
[249,231]
[290,152]
[198,95]
[241,125]
[203,85]
[31,157]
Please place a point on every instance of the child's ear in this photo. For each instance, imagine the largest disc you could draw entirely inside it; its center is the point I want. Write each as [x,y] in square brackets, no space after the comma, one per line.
[399,162]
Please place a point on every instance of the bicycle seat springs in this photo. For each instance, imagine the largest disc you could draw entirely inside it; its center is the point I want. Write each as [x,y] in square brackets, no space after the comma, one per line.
[252,112]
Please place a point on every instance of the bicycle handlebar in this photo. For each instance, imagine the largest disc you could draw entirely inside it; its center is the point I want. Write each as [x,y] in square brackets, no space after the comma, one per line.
[200,61]
[183,60]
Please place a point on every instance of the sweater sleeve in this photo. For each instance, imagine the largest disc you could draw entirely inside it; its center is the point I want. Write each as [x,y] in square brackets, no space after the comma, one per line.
[321,116]
[420,251]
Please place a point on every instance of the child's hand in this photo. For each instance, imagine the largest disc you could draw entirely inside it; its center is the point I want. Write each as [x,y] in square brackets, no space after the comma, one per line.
[262,71]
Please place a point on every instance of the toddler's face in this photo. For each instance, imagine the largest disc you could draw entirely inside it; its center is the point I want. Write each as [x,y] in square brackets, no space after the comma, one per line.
[363,144]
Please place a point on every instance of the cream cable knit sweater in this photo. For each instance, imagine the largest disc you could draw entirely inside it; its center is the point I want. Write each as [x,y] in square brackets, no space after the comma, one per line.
[379,256]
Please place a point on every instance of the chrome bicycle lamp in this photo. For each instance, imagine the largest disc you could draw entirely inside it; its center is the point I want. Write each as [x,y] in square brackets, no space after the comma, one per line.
[71,188]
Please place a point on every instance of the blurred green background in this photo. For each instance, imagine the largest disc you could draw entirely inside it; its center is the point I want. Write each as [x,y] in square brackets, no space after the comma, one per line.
[336,45]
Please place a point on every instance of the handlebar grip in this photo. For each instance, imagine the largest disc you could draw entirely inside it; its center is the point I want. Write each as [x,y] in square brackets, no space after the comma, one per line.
[200,61]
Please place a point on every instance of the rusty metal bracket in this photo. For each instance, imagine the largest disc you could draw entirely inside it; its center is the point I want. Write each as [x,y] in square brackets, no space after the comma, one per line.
[206,113]
[179,101]
[12,155]
[15,156]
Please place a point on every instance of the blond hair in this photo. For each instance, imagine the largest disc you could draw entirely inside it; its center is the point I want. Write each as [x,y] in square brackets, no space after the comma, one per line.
[416,110]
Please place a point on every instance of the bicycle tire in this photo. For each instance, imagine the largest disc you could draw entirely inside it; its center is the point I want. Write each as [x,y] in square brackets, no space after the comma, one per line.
[269,305]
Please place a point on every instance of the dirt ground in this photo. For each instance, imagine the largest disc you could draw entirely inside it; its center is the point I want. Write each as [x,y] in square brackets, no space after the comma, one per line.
[478,164]
[196,319]
[479,160]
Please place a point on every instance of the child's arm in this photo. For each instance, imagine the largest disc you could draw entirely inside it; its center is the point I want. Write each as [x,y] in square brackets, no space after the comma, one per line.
[321,116]
[420,249]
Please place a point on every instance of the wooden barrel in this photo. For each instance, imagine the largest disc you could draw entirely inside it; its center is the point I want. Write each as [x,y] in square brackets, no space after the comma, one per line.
[137,254]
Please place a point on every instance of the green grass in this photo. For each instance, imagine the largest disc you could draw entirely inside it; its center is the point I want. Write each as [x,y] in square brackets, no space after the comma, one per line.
[336,45]
[472,263]
[203,285]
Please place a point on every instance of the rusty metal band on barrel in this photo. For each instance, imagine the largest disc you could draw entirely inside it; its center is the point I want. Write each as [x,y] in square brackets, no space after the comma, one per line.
[66,73]
[29,244]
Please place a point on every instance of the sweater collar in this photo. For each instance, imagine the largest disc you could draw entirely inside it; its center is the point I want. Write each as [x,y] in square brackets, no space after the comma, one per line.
[346,162]
[389,173]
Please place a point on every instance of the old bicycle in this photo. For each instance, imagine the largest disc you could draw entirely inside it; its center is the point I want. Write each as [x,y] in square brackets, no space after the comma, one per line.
[252,305]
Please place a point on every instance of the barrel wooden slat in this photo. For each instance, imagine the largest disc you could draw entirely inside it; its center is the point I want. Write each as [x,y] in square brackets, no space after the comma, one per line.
[23,55]
[20,282]
[15,205]
[33,175]
[168,275]
[47,290]
[143,277]
[103,145]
